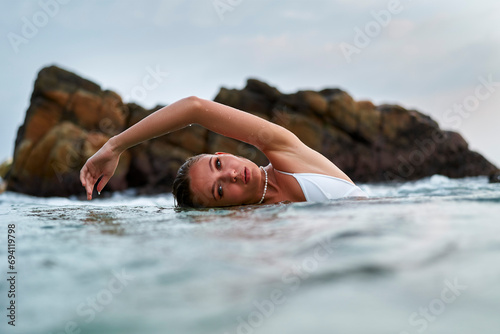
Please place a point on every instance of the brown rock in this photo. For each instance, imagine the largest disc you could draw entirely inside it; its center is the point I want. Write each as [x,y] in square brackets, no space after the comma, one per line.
[394,121]
[59,97]
[82,103]
[315,101]
[307,102]
[54,141]
[43,116]
[342,112]
[5,168]
[192,138]
[308,129]
[369,121]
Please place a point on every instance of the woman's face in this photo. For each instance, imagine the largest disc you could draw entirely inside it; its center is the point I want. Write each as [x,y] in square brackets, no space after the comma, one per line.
[225,180]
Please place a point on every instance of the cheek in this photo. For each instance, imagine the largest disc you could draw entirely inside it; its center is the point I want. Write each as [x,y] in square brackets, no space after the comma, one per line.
[236,191]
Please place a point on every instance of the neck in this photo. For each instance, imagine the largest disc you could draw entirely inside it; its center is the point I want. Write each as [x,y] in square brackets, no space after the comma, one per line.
[265,186]
[273,191]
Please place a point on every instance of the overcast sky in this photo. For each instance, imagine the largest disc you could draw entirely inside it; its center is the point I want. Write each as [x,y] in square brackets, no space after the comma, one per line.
[433,56]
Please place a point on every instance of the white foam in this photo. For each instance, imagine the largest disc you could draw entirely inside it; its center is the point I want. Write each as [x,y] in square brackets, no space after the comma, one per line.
[125,198]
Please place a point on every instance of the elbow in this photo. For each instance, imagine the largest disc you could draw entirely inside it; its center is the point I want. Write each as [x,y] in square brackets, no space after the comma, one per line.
[193,107]
[193,102]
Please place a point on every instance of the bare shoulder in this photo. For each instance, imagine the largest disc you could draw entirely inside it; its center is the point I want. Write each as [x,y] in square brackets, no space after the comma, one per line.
[302,159]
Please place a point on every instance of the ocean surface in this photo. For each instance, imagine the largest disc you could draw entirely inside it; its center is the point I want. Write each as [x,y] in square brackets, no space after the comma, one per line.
[417,257]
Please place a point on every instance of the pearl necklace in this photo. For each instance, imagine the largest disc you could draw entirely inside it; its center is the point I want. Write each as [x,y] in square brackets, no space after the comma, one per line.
[265,187]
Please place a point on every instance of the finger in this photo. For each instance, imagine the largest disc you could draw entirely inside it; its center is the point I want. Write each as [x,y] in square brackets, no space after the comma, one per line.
[82,175]
[103,183]
[85,179]
[89,186]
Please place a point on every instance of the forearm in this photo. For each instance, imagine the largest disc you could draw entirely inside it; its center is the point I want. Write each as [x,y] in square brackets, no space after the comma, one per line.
[216,117]
[170,118]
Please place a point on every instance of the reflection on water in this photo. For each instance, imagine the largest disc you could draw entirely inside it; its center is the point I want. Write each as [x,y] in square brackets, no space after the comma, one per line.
[103,220]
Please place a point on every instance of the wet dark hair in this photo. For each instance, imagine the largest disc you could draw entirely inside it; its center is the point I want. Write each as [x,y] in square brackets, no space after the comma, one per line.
[181,188]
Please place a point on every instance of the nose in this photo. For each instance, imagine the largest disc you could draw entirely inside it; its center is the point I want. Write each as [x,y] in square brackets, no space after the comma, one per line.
[230,176]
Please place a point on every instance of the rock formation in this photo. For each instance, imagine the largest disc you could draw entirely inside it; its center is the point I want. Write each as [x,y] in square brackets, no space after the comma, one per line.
[70,118]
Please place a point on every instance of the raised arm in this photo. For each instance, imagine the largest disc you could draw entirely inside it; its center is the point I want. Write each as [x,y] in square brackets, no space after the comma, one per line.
[219,118]
[266,136]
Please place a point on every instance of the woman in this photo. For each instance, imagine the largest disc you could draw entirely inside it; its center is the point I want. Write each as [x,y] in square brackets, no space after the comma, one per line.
[296,173]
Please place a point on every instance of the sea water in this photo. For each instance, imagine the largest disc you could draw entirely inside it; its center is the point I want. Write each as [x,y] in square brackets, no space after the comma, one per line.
[415,257]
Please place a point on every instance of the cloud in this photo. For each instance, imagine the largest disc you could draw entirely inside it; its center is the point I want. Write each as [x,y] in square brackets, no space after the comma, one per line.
[167,13]
[298,15]
[399,28]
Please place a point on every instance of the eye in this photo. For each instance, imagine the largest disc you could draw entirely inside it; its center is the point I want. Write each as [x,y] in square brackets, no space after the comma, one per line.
[218,165]
[219,191]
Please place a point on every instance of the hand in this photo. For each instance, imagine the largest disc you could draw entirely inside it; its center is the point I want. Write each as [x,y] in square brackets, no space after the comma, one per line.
[102,163]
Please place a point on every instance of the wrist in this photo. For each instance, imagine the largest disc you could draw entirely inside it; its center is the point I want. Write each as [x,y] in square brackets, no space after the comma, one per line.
[114,145]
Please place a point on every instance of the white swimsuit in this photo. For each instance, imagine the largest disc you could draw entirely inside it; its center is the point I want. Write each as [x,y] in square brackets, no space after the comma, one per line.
[321,188]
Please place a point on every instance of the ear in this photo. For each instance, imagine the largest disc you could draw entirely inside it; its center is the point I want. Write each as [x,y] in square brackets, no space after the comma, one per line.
[221,153]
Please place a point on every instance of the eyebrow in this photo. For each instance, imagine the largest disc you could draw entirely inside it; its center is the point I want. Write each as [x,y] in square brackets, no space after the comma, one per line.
[213,185]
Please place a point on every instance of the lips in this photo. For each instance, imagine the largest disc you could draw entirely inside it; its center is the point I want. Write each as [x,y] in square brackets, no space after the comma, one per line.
[246,174]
